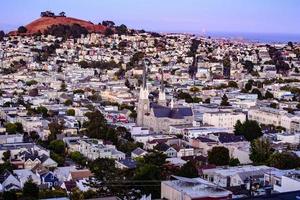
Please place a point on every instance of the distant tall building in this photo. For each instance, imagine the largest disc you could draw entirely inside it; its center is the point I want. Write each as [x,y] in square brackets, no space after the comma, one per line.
[226,67]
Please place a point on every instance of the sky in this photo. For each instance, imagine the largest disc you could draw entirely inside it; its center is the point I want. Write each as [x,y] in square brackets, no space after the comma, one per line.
[194,16]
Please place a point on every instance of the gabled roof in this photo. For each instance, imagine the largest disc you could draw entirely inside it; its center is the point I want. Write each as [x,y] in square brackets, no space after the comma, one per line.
[162,147]
[173,113]
[70,185]
[139,151]
[128,162]
[81,174]
[4,175]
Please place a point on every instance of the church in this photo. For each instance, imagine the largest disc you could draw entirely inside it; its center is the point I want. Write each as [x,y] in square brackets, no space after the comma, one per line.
[159,116]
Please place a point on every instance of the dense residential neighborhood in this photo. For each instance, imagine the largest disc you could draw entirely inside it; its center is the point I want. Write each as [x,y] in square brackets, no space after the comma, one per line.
[130,114]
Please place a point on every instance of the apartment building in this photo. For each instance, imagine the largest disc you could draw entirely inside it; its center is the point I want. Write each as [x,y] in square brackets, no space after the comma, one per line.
[223,119]
[93,149]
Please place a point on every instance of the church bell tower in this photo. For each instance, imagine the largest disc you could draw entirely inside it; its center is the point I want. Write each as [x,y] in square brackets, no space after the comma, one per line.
[162,94]
[143,104]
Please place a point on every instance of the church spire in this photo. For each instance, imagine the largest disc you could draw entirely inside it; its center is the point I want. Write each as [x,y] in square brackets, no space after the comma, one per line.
[144,75]
[162,84]
[143,104]
[162,95]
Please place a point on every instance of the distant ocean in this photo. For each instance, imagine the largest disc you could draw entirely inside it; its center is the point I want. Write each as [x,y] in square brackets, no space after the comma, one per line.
[257,37]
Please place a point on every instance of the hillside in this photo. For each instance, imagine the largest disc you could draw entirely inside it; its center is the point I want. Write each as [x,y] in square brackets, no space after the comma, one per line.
[43,23]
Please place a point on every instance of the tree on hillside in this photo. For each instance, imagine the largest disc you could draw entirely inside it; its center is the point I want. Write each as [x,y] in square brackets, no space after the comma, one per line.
[260,151]
[108,23]
[11,128]
[257,91]
[269,95]
[219,156]
[224,101]
[284,160]
[70,112]
[2,35]
[248,65]
[57,146]
[248,86]
[62,14]
[6,155]
[188,170]
[249,129]
[22,29]
[238,128]
[30,190]
[56,127]
[232,84]
[108,32]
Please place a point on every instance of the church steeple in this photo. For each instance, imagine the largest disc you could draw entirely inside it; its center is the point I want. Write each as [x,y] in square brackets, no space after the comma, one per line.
[143,103]
[162,95]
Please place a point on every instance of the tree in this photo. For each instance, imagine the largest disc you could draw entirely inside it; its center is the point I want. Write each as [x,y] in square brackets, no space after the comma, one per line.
[78,158]
[256,91]
[260,151]
[34,135]
[148,178]
[274,105]
[269,95]
[249,66]
[248,86]
[108,32]
[22,29]
[207,101]
[234,162]
[55,128]
[284,160]
[70,112]
[108,23]
[62,14]
[42,110]
[30,190]
[76,194]
[218,156]
[232,84]
[188,170]
[238,128]
[63,86]
[250,129]
[68,102]
[6,155]
[57,146]
[10,195]
[105,174]
[98,128]
[11,128]
[2,35]
[224,101]
[19,127]
[33,92]
[121,30]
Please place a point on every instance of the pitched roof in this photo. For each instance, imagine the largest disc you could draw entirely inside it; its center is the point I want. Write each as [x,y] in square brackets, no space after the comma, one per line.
[128,162]
[4,175]
[139,151]
[81,174]
[162,147]
[70,185]
[173,113]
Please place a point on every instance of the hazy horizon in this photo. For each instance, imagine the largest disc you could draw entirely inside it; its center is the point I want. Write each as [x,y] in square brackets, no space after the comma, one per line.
[192,16]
